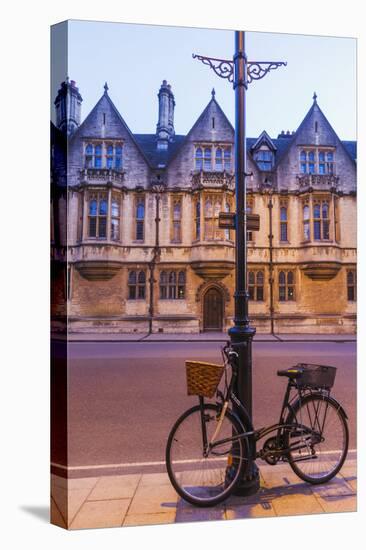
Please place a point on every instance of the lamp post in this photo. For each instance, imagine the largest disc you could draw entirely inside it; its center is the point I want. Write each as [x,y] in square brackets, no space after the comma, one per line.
[157,189]
[242,72]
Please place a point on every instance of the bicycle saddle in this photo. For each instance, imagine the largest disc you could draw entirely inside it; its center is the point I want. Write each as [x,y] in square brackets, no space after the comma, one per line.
[292,372]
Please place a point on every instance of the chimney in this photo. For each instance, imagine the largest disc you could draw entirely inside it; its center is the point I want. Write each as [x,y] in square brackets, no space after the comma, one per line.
[165,126]
[68,107]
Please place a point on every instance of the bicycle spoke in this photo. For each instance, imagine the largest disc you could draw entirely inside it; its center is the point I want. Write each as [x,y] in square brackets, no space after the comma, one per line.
[318,460]
[199,477]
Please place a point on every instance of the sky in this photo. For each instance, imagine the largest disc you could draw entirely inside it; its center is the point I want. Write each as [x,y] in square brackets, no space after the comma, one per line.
[134,59]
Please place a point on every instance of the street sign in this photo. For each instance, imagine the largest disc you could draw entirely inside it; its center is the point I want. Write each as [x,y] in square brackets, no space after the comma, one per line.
[227,221]
[253,222]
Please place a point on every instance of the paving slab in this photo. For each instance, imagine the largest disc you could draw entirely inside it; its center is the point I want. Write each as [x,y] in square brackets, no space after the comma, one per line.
[104,513]
[255,510]
[296,504]
[115,487]
[151,499]
[337,486]
[339,504]
[149,519]
[154,479]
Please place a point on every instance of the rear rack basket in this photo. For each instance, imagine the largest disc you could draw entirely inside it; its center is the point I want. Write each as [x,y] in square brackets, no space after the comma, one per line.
[315,376]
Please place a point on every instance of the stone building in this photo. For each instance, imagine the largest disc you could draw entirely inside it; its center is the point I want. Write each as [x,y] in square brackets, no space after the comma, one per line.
[135,238]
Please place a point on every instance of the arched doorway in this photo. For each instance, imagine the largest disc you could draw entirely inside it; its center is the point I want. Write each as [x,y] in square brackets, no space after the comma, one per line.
[213,309]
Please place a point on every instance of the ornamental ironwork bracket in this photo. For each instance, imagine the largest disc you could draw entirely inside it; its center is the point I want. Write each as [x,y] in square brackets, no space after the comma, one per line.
[224,68]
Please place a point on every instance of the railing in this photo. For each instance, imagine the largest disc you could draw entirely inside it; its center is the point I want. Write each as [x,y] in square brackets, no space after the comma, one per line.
[320,181]
[213,179]
[101,175]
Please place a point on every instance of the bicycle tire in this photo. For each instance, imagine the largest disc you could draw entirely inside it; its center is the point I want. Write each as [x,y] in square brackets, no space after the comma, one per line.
[204,481]
[320,461]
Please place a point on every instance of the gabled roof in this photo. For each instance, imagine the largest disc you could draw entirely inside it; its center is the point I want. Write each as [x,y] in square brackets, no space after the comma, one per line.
[105,96]
[202,115]
[350,150]
[160,158]
[264,138]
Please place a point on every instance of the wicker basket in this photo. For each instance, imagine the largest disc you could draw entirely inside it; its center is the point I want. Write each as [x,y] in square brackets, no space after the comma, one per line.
[203,378]
[315,376]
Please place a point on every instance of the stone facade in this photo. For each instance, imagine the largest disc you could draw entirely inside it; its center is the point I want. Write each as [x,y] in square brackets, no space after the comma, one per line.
[135,223]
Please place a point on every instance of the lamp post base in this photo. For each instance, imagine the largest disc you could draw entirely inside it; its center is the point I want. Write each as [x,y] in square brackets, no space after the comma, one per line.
[250,484]
[242,336]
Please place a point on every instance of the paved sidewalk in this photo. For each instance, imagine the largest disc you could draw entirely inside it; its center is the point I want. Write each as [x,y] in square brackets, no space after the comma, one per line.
[204,337]
[149,499]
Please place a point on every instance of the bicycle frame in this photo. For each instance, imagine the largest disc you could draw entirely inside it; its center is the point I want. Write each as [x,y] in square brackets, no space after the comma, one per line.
[281,427]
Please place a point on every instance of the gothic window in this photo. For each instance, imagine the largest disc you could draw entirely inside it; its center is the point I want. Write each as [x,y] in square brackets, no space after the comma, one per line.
[209,220]
[89,152]
[336,220]
[198,219]
[136,285]
[213,206]
[114,156]
[321,220]
[110,158]
[177,221]
[256,285]
[227,231]
[249,211]
[207,159]
[172,285]
[115,218]
[264,159]
[306,222]
[227,159]
[97,215]
[283,222]
[118,157]
[140,219]
[199,159]
[218,160]
[98,156]
[351,285]
[316,161]
[286,286]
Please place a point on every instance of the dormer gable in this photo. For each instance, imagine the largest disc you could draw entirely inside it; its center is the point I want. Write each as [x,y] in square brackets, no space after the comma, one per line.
[263,152]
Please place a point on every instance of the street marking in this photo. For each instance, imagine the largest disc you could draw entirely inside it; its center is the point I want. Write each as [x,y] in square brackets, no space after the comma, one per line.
[158,463]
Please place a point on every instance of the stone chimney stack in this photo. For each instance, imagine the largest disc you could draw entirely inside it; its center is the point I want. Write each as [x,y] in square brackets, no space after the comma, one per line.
[165,126]
[68,107]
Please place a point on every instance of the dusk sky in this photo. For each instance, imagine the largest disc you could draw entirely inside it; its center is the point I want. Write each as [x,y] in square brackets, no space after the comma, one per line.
[134,59]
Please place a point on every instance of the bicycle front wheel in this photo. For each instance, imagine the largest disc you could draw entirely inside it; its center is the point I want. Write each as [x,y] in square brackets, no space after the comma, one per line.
[318,456]
[202,476]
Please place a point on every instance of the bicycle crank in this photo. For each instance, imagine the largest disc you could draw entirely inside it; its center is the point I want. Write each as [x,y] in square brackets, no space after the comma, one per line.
[271,452]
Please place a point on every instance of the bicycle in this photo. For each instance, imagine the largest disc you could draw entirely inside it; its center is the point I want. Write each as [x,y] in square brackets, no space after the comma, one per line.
[209,446]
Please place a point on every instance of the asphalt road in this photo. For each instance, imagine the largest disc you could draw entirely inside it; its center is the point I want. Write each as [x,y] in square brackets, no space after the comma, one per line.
[124,397]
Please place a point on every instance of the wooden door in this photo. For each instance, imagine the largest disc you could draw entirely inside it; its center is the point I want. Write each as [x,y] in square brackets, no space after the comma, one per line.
[212,310]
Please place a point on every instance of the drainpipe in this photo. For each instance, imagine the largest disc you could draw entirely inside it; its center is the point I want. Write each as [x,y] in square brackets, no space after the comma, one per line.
[157,189]
[271,280]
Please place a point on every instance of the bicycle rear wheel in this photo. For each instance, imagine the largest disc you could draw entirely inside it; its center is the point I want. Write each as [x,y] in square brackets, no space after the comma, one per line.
[200,478]
[320,456]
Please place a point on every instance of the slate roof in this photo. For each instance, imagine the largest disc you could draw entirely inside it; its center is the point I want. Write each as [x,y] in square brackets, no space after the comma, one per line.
[158,158]
[351,147]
